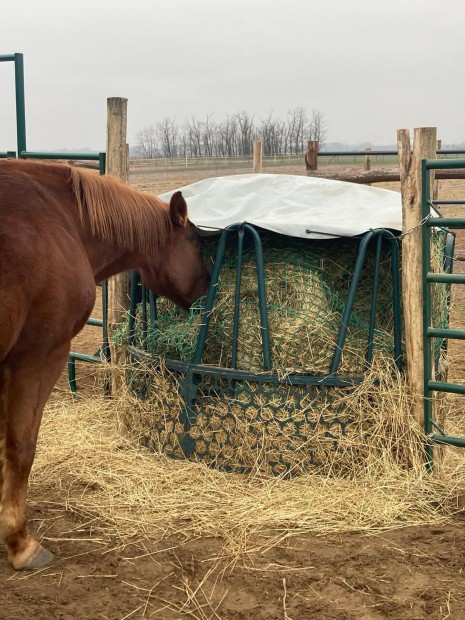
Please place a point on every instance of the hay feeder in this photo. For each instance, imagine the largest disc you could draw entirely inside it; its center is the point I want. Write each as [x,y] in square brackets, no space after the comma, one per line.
[259,375]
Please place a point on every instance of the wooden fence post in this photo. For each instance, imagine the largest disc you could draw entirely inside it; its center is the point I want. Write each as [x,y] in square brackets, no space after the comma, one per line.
[424,147]
[311,155]
[368,158]
[118,286]
[257,156]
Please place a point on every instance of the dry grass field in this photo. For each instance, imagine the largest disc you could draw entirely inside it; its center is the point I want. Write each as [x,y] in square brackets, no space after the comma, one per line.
[138,536]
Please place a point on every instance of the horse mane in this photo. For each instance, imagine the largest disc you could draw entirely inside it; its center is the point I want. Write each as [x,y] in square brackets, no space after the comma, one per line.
[120,214]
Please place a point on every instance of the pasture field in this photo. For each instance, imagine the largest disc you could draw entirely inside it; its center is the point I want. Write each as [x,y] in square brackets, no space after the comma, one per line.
[138,536]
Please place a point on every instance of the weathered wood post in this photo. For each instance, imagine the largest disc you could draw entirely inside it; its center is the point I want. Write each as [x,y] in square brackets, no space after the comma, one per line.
[424,147]
[117,166]
[368,158]
[311,155]
[257,156]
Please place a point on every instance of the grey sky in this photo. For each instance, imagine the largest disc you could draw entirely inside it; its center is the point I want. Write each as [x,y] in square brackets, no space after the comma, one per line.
[371,67]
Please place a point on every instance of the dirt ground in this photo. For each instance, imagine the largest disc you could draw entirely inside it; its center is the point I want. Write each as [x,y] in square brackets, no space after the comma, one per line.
[408,573]
[412,573]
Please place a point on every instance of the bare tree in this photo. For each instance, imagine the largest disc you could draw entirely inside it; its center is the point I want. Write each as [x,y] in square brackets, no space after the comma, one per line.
[316,129]
[167,134]
[272,132]
[208,136]
[229,136]
[146,142]
[234,136]
[193,133]
[246,131]
[183,143]
[297,120]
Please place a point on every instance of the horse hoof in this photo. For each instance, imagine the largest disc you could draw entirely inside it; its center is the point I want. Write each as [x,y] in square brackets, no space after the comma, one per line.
[40,557]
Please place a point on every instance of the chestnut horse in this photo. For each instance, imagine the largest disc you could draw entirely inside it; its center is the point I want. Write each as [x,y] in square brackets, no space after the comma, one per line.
[62,230]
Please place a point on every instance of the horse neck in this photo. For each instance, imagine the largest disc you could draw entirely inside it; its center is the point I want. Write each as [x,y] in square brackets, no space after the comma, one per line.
[121,229]
[108,258]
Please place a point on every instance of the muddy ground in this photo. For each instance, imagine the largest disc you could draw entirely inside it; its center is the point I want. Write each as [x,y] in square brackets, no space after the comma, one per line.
[406,573]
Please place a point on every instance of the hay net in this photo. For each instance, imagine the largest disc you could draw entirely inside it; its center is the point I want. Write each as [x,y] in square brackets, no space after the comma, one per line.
[307,286]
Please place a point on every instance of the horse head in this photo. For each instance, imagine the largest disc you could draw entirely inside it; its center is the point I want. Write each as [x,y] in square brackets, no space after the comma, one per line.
[179,273]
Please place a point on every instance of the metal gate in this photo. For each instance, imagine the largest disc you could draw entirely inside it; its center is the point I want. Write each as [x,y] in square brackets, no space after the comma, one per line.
[433,220]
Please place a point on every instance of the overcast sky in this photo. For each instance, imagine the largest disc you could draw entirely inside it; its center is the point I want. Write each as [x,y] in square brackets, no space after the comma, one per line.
[370,67]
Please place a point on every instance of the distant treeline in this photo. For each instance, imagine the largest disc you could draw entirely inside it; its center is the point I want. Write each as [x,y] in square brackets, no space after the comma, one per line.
[232,137]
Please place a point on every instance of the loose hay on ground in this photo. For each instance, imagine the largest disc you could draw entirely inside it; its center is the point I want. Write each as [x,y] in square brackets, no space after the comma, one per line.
[87,465]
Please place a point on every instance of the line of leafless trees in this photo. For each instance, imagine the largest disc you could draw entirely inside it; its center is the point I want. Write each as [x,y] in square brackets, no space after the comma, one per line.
[232,137]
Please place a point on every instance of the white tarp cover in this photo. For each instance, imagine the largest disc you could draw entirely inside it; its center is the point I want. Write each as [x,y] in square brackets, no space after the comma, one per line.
[299,206]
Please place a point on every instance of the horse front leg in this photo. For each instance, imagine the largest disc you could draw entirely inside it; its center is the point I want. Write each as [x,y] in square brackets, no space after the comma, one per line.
[29,386]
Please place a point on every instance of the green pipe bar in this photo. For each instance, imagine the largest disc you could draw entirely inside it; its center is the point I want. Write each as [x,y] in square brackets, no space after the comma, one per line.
[20,103]
[59,155]
[454,334]
[374,300]
[447,202]
[95,322]
[446,222]
[103,351]
[449,253]
[260,272]
[105,340]
[247,375]
[133,308]
[441,164]
[350,302]
[458,442]
[427,345]
[18,59]
[215,275]
[445,278]
[439,386]
[144,319]
[100,157]
[396,296]
[368,237]
[237,297]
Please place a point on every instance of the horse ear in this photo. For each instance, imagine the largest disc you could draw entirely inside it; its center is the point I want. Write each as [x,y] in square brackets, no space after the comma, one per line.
[178,210]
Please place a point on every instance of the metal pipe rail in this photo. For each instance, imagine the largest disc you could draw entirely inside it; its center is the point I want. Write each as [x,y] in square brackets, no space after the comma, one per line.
[100,157]
[431,332]
[20,100]
[380,152]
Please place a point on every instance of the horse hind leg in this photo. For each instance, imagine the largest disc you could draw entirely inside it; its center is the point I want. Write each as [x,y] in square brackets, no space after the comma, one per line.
[30,383]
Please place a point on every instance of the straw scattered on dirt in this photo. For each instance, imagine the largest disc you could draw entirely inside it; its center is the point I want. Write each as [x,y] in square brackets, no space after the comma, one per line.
[86,460]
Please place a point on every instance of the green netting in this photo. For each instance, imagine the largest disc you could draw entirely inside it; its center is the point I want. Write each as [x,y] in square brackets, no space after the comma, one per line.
[440,293]
[306,287]
[307,284]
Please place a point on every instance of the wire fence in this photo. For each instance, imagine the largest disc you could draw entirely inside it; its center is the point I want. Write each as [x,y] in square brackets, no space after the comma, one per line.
[325,158]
